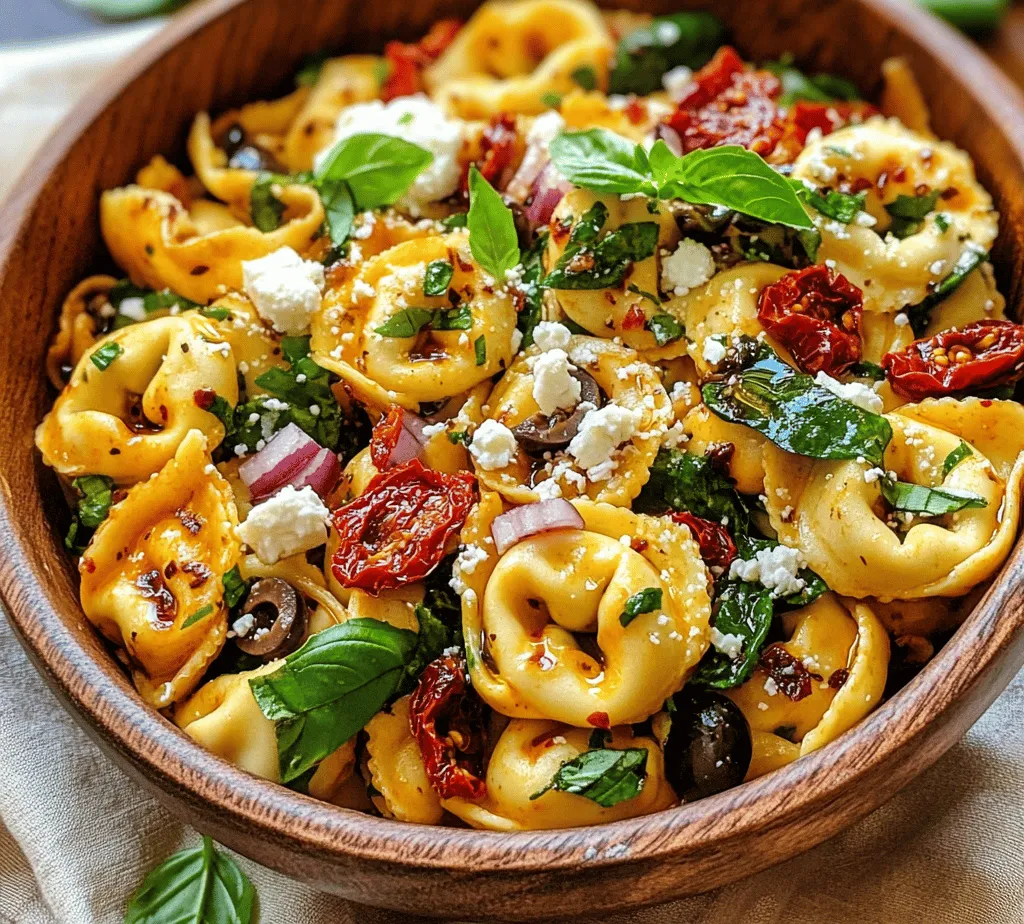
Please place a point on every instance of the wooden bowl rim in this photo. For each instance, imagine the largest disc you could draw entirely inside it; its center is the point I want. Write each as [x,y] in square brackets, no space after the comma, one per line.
[174,761]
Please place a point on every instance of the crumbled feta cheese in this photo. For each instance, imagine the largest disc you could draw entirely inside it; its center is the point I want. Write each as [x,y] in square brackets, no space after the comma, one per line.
[517,339]
[601,432]
[689,266]
[432,430]
[284,288]
[550,335]
[901,320]
[493,446]
[243,625]
[361,289]
[553,387]
[714,351]
[863,396]
[730,644]
[290,522]
[548,489]
[134,308]
[421,121]
[873,474]
[470,557]
[775,568]
[677,81]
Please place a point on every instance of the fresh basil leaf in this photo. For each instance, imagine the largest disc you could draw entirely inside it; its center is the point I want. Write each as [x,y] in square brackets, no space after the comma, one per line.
[458,220]
[920,314]
[732,177]
[646,54]
[264,207]
[588,263]
[743,609]
[96,498]
[492,229]
[602,161]
[407,322]
[647,600]
[200,885]
[152,302]
[460,318]
[665,328]
[331,687]
[909,212]
[199,614]
[311,69]
[439,274]
[836,205]
[530,285]
[797,414]
[585,77]
[551,100]
[963,451]
[378,168]
[747,547]
[684,481]
[916,498]
[480,350]
[606,776]
[106,354]
[866,370]
[339,209]
[943,222]
[235,587]
[650,296]
[432,639]
[822,88]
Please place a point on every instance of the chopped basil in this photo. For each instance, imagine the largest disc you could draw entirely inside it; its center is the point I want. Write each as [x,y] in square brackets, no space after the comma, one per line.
[551,100]
[106,354]
[331,687]
[264,206]
[199,614]
[432,639]
[152,302]
[438,275]
[909,212]
[458,220]
[920,314]
[866,370]
[942,221]
[744,609]
[235,587]
[603,161]
[650,296]
[378,168]
[492,229]
[835,205]
[585,77]
[458,436]
[665,328]
[646,54]
[216,314]
[606,776]
[530,285]
[480,350]
[821,88]
[589,263]
[963,451]
[339,208]
[408,322]
[96,495]
[311,69]
[916,498]
[647,600]
[200,885]
[797,414]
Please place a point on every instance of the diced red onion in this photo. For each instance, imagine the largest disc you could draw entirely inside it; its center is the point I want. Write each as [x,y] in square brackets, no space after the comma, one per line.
[321,473]
[671,138]
[530,519]
[406,449]
[286,453]
[534,161]
[548,190]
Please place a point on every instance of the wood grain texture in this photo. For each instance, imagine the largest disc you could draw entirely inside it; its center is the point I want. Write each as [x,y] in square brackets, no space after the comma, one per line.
[226,51]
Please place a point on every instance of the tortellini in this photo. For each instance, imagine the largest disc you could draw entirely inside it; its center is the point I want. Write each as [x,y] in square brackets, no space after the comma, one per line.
[127,419]
[372,331]
[510,54]
[523,611]
[79,322]
[832,512]
[151,577]
[526,757]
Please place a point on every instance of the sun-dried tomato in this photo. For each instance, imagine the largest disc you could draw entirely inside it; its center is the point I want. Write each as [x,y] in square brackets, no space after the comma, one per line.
[788,671]
[599,720]
[729,105]
[396,532]
[634,319]
[497,151]
[716,545]
[805,116]
[983,354]
[406,62]
[385,436]
[446,719]
[816,315]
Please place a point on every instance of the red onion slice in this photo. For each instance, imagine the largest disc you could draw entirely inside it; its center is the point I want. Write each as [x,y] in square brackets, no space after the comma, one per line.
[406,449]
[321,473]
[671,138]
[287,451]
[548,190]
[530,519]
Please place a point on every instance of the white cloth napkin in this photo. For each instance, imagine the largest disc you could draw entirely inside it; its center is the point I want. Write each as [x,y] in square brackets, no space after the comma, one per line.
[77,836]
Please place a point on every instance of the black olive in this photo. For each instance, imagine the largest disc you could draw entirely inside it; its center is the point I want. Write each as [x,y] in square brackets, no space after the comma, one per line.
[539,434]
[234,138]
[243,154]
[708,747]
[279,620]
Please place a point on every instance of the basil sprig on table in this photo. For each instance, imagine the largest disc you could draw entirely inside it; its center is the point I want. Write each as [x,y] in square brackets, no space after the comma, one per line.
[200,885]
[920,314]
[744,609]
[797,414]
[592,262]
[917,498]
[492,229]
[728,176]
[606,776]
[331,687]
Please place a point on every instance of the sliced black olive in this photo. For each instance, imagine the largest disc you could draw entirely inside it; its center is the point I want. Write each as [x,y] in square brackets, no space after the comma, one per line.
[243,154]
[708,747]
[540,433]
[279,620]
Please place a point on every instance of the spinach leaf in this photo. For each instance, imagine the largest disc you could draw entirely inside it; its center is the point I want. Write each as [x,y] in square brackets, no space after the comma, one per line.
[96,496]
[533,270]
[797,414]
[743,609]
[866,370]
[747,547]
[606,776]
[647,600]
[665,328]
[264,206]
[835,205]
[439,274]
[963,451]
[916,498]
[331,687]
[106,354]
[378,168]
[821,88]
[645,55]
[492,229]
[909,212]
[585,77]
[602,161]
[200,885]
[589,263]
[920,314]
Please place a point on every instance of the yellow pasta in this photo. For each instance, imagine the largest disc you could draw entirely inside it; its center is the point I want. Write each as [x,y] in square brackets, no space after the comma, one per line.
[78,324]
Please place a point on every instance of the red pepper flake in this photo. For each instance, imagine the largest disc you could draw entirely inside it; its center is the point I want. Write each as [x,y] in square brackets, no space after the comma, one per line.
[204,398]
[838,678]
[170,569]
[151,585]
[599,720]
[638,545]
[200,573]
[788,671]
[635,319]
[191,521]
[89,565]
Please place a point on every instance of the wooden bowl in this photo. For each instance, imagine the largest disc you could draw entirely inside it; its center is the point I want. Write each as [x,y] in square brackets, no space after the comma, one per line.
[224,52]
